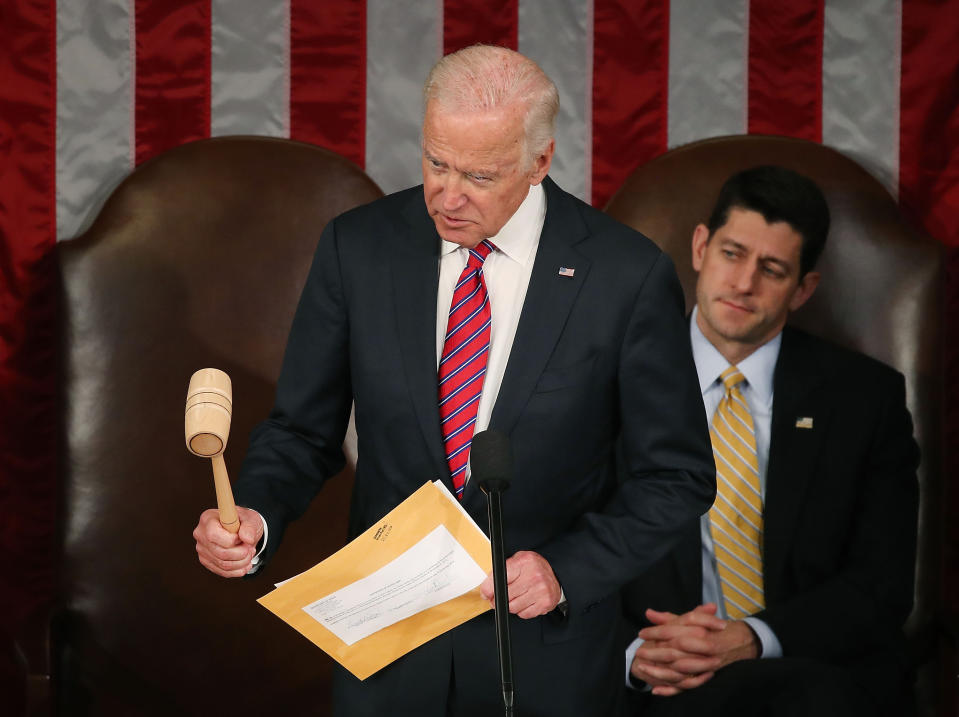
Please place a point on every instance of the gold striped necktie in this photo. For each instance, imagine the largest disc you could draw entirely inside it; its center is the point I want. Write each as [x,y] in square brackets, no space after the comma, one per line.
[736,518]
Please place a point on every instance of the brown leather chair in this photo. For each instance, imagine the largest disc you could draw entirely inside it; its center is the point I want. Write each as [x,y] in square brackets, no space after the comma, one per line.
[881,294]
[196,260]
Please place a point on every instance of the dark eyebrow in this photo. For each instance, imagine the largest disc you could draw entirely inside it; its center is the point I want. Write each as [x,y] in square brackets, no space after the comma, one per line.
[733,244]
[726,242]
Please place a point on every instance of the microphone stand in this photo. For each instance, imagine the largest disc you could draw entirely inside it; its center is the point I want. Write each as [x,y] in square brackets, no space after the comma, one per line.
[493,489]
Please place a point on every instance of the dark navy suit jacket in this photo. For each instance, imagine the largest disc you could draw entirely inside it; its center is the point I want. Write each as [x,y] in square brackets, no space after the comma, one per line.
[840,517]
[602,353]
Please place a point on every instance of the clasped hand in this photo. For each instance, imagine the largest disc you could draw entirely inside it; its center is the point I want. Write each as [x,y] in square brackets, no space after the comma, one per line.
[681,652]
[533,587]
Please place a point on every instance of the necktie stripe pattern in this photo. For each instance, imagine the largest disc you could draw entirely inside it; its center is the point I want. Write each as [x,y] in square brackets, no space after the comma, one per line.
[730,508]
[736,518]
[463,363]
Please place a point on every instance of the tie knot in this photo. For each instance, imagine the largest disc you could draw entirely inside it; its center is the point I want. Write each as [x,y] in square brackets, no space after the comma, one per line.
[731,377]
[479,253]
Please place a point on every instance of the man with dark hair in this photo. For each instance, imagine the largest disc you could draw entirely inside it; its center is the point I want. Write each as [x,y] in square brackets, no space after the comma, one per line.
[779,195]
[789,597]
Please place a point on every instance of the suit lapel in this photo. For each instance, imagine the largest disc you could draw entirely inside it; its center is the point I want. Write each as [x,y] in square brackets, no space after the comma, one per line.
[794,447]
[415,268]
[549,299]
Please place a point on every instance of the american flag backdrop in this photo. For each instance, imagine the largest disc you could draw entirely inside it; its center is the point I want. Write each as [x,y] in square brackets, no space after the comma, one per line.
[89,89]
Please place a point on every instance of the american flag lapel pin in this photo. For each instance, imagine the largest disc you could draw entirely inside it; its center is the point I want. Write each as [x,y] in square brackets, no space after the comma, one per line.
[804,422]
[566,271]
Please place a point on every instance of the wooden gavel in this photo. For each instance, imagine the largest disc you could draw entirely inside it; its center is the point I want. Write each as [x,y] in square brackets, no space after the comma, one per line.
[209,408]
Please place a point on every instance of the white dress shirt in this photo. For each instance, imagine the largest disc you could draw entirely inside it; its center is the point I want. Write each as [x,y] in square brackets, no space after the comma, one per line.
[506,272]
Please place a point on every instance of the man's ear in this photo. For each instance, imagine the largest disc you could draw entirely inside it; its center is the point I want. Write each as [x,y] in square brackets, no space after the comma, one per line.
[700,240]
[807,286]
[542,163]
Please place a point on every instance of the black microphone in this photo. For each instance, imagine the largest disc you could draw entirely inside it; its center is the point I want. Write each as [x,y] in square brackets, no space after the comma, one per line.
[491,463]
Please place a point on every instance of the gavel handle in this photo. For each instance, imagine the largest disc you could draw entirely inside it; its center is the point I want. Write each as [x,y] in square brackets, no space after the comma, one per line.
[224,495]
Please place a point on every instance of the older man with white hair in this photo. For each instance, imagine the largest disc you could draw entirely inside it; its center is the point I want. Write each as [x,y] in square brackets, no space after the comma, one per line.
[503,302]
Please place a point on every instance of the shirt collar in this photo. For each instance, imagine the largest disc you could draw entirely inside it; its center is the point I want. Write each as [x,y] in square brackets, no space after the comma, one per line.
[520,235]
[758,368]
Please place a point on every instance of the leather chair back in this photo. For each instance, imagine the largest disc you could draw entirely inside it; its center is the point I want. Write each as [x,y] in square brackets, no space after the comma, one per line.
[881,288]
[196,260]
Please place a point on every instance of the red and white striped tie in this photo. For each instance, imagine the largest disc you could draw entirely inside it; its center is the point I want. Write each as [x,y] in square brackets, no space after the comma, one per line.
[463,364]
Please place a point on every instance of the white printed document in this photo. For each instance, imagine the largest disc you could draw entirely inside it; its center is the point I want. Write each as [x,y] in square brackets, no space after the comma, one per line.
[433,571]
[409,578]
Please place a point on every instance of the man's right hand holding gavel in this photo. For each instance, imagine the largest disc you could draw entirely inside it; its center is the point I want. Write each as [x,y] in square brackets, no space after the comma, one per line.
[222,552]
[223,547]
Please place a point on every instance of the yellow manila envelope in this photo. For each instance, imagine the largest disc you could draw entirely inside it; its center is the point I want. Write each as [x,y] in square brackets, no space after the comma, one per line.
[411,577]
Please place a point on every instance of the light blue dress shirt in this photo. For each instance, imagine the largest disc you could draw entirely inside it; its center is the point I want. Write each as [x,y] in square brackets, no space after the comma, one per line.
[758,369]
[757,390]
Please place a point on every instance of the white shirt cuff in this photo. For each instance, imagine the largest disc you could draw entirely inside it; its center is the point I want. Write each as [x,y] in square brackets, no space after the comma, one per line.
[255,565]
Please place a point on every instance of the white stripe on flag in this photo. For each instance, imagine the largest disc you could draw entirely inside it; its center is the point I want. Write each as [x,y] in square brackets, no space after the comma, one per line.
[558,36]
[708,45]
[860,77]
[94,107]
[403,41]
[250,68]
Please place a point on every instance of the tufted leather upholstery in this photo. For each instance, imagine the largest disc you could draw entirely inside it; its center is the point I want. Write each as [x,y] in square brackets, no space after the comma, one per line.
[196,260]
[881,291]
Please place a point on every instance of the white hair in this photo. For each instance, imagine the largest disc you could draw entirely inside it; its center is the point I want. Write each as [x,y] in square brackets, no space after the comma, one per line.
[482,78]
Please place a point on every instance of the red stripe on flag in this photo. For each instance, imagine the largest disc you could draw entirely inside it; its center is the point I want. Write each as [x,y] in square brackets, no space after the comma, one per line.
[630,89]
[172,96]
[28,307]
[785,68]
[491,22]
[929,117]
[328,75]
